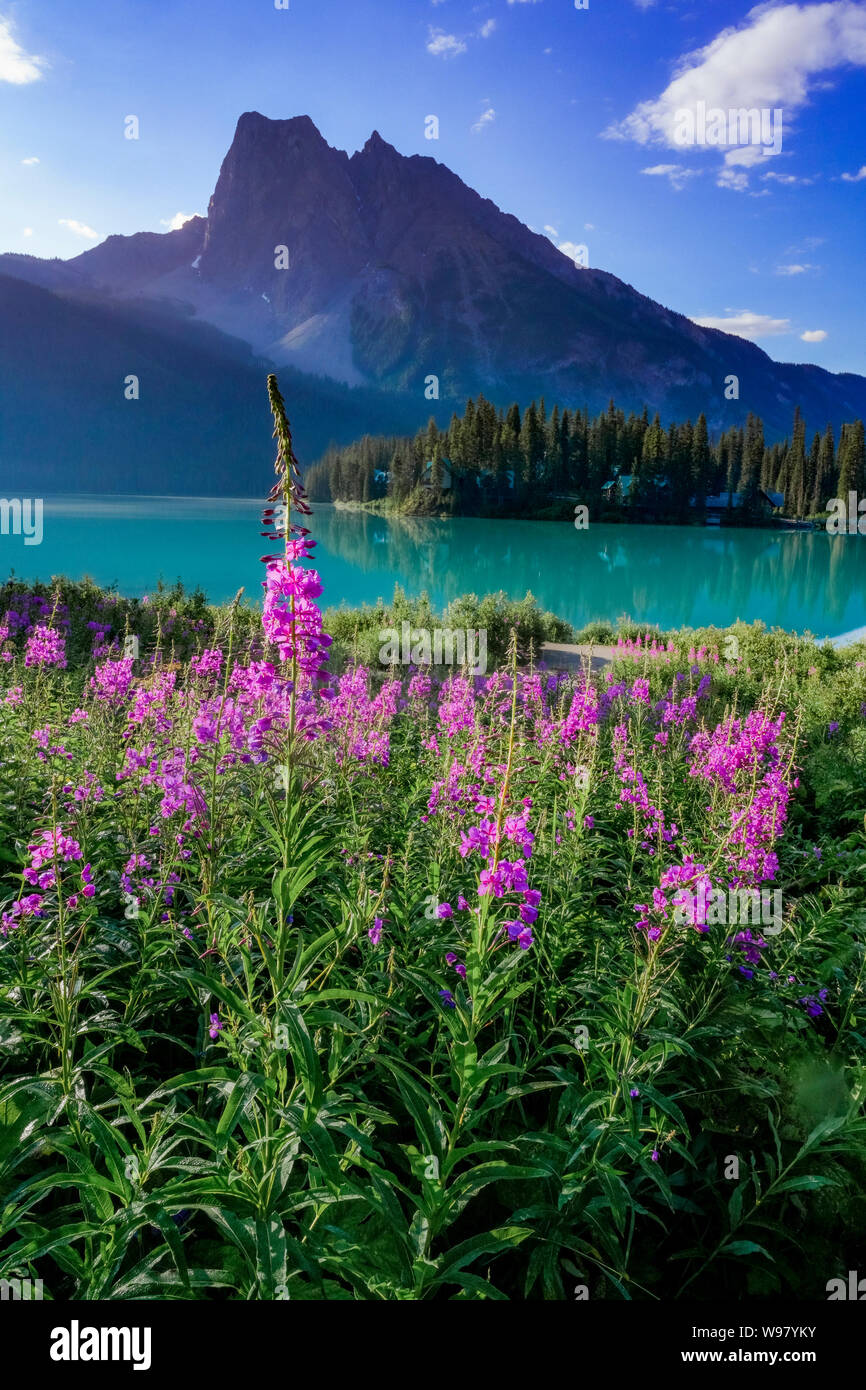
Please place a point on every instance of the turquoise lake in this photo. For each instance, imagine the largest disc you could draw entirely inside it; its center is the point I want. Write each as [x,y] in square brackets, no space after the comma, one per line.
[670,576]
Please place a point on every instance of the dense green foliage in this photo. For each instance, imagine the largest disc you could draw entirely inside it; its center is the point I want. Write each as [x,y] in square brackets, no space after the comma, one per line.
[566,1122]
[538,463]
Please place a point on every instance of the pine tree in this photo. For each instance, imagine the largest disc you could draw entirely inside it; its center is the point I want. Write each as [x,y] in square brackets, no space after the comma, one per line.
[825,472]
[810,481]
[565,448]
[749,485]
[553,453]
[701,462]
[531,445]
[852,462]
[795,496]
[650,466]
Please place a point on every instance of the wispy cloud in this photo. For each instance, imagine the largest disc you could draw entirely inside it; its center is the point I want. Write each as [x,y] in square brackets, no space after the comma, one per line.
[443,45]
[856,178]
[814,335]
[485,119]
[745,324]
[16,66]
[794,269]
[809,243]
[78,228]
[675,173]
[31,160]
[789,180]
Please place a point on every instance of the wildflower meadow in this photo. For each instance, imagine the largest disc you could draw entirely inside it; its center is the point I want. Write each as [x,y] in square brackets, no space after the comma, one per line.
[321,980]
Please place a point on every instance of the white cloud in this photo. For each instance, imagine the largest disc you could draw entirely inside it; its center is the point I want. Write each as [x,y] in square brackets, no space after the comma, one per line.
[855,178]
[814,335]
[443,45]
[31,160]
[27,231]
[674,172]
[551,231]
[589,226]
[175,223]
[769,62]
[487,28]
[575,253]
[485,119]
[16,66]
[79,228]
[744,324]
[793,269]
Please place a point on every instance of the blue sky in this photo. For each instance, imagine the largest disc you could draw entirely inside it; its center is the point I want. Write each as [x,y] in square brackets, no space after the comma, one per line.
[565,117]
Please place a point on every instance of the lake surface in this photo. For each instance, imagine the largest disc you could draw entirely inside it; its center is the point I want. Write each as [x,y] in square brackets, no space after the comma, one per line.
[667,575]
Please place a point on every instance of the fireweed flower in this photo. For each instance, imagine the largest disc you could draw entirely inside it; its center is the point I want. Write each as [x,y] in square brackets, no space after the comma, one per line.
[459,967]
[29,906]
[291,620]
[519,933]
[45,647]
[111,681]
[375,932]
[811,1005]
[208,663]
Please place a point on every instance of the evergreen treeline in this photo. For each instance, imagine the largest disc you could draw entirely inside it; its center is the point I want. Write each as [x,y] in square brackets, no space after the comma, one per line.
[537,460]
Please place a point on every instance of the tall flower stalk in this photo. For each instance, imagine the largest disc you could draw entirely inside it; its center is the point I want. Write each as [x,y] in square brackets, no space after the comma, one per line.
[292,621]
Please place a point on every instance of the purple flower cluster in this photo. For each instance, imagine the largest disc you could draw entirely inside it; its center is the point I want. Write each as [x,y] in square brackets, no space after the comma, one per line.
[45,647]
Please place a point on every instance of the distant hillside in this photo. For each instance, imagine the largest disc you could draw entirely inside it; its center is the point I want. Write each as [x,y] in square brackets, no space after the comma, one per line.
[201,423]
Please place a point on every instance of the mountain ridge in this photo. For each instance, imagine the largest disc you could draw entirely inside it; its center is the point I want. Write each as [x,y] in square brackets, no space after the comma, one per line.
[379,270]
